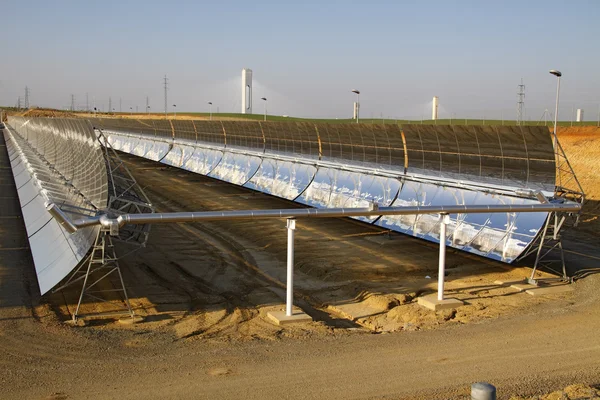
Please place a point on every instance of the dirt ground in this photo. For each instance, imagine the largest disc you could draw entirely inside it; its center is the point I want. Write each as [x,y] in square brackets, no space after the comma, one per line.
[204,291]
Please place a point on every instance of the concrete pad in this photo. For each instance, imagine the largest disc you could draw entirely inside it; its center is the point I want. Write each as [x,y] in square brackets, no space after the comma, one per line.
[431,302]
[523,287]
[556,289]
[297,317]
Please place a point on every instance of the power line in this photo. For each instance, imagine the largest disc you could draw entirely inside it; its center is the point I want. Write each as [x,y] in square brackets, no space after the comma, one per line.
[26,97]
[166,81]
[520,103]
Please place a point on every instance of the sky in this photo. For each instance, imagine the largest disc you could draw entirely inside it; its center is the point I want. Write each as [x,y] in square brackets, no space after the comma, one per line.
[306,56]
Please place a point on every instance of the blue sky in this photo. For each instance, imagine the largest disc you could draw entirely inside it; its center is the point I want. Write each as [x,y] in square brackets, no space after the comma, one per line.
[306,56]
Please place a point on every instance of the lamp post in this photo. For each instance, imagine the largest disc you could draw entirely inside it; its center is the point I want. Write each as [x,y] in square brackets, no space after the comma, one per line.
[210,104]
[265,99]
[357,103]
[147,109]
[130,110]
[558,74]
[175,110]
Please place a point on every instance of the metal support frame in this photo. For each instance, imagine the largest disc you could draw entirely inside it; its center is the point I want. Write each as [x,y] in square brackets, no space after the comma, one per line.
[544,247]
[567,187]
[125,195]
[99,265]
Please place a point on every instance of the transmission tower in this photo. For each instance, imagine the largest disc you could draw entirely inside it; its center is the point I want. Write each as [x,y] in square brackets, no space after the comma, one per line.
[520,102]
[19,103]
[26,97]
[166,81]
[72,102]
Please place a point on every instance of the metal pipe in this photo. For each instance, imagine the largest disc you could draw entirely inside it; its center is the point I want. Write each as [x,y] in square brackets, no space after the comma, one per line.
[61,217]
[340,212]
[157,218]
[289,300]
[444,220]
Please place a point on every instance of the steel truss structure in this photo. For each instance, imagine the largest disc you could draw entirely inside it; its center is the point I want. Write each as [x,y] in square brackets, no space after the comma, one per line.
[548,246]
[100,265]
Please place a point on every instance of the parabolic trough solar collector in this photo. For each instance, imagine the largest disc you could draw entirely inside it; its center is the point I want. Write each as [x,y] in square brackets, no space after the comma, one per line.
[354,165]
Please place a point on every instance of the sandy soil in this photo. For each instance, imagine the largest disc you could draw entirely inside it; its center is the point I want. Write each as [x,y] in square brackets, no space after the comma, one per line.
[205,289]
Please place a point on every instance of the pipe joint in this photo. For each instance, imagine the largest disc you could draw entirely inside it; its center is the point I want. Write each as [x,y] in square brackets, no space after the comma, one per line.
[110,224]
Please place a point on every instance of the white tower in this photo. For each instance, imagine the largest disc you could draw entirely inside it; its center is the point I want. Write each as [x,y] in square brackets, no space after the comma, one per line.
[434,108]
[246,91]
[579,115]
[356,109]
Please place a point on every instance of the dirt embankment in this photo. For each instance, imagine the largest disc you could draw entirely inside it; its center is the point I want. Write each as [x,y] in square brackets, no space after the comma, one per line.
[582,147]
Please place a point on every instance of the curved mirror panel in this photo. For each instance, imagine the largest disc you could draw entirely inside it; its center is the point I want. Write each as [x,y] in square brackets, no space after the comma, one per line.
[202,161]
[236,168]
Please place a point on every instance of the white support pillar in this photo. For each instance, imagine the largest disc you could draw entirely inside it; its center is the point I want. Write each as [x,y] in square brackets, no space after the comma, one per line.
[288,316]
[444,220]
[289,303]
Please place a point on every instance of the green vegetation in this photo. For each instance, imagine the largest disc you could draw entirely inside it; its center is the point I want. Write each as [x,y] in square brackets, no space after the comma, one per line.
[455,121]
[260,117]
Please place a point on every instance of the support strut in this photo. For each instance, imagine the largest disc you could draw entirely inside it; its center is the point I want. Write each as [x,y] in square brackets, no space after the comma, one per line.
[100,265]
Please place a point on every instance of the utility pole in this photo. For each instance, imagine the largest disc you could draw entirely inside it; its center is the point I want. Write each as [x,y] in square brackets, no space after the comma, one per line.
[166,82]
[109,105]
[26,98]
[72,102]
[120,103]
[87,102]
[147,105]
[520,102]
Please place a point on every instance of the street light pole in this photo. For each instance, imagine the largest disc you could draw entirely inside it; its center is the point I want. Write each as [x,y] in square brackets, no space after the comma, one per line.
[175,110]
[265,99]
[558,74]
[357,103]
[210,104]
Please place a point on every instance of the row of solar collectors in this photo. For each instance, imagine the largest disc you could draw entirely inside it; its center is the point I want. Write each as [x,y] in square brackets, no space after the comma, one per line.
[507,156]
[58,161]
[498,236]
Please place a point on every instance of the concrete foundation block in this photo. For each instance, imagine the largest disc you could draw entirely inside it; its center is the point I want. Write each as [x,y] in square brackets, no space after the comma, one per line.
[545,290]
[297,317]
[431,302]
[522,287]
